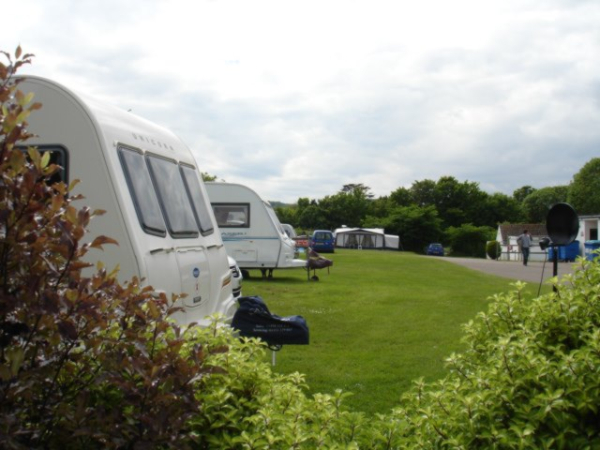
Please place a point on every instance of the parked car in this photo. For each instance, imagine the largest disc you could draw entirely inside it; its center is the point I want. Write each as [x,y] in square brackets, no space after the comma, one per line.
[435,249]
[322,241]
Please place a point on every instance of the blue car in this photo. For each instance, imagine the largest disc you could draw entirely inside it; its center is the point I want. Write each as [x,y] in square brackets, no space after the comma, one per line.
[322,241]
[435,249]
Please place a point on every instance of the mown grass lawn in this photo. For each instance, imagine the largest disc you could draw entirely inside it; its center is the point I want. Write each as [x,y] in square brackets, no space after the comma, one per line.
[378,321]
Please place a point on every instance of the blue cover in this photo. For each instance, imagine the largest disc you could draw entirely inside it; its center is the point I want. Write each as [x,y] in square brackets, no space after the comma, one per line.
[253,319]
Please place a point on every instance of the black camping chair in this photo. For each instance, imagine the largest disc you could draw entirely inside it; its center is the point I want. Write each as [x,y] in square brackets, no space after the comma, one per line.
[314,262]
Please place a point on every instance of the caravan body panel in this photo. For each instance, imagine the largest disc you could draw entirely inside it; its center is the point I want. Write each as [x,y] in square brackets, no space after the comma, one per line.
[250,228]
[146,180]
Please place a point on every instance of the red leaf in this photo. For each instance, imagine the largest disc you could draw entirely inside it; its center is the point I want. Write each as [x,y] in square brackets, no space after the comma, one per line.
[101,240]
[67,329]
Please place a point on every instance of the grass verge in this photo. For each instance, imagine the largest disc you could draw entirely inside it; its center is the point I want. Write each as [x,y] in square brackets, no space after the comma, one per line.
[377,322]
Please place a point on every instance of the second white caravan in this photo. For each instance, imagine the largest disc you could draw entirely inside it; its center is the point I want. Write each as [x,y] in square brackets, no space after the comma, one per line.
[147,181]
[250,229]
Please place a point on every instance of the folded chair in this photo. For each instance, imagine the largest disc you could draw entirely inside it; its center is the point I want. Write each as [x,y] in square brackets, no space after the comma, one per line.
[314,262]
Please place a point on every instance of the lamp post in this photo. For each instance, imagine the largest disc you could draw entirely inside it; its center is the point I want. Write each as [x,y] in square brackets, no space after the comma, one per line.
[562,224]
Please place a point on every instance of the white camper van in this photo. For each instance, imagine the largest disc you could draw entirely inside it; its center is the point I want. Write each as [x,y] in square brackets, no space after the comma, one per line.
[251,230]
[146,180]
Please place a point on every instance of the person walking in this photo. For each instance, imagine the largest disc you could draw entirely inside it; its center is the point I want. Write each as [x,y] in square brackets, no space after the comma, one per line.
[524,241]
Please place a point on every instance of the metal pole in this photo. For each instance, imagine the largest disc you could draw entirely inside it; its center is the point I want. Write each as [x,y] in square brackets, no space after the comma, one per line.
[555,264]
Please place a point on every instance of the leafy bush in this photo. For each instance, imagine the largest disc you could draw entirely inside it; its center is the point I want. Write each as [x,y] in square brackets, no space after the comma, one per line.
[469,240]
[529,378]
[493,249]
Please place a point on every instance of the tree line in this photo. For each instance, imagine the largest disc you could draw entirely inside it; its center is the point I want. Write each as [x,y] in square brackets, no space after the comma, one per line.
[458,214]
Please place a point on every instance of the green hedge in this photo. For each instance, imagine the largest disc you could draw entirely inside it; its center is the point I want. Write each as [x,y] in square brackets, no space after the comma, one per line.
[529,379]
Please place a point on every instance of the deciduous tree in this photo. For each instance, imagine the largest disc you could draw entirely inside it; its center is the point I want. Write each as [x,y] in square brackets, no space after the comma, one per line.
[423,193]
[584,190]
[520,194]
[415,225]
[537,204]
[402,197]
[500,208]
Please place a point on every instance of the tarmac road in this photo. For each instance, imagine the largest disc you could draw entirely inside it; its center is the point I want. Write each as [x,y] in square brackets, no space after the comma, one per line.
[533,272]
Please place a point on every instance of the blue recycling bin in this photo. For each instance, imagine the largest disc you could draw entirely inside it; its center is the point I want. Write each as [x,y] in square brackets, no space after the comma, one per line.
[590,247]
[569,252]
[551,253]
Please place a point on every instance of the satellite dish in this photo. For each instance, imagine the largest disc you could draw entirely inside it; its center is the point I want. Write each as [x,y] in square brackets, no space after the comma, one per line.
[562,224]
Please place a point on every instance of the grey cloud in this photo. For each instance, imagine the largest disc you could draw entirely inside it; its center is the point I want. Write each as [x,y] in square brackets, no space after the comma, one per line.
[521,108]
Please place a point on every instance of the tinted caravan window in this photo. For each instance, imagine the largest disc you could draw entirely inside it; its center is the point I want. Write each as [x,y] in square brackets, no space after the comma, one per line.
[232,215]
[201,212]
[173,197]
[142,192]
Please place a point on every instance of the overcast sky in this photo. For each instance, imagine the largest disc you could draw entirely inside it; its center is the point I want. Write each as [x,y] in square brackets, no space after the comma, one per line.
[297,98]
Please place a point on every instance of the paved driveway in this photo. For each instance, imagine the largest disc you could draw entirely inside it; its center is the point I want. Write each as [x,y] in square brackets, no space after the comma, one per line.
[534,272]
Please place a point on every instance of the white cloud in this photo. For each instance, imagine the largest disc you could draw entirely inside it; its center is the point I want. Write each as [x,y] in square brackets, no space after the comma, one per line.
[297,99]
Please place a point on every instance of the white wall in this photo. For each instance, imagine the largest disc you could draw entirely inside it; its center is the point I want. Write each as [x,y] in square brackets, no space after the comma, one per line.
[588,230]
[512,252]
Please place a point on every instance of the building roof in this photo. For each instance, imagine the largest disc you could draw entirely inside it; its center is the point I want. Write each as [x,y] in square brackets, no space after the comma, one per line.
[537,230]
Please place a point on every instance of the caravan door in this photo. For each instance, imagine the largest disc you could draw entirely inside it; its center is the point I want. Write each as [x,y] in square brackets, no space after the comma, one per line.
[192,258]
[162,188]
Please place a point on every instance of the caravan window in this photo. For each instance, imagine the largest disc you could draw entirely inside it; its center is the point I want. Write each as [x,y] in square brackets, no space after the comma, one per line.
[173,197]
[58,156]
[232,215]
[201,213]
[142,192]
[274,218]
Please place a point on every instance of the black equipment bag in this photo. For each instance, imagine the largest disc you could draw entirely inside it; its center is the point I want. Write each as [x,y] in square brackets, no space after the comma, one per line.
[253,319]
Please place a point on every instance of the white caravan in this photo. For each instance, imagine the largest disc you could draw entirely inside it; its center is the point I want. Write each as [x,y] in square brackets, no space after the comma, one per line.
[146,180]
[251,230]
[289,230]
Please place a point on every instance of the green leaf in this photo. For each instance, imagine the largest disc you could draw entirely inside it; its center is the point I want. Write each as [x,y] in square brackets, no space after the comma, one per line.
[15,358]
[45,160]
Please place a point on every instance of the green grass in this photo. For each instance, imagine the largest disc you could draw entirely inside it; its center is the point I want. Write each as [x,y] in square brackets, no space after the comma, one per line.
[377,322]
